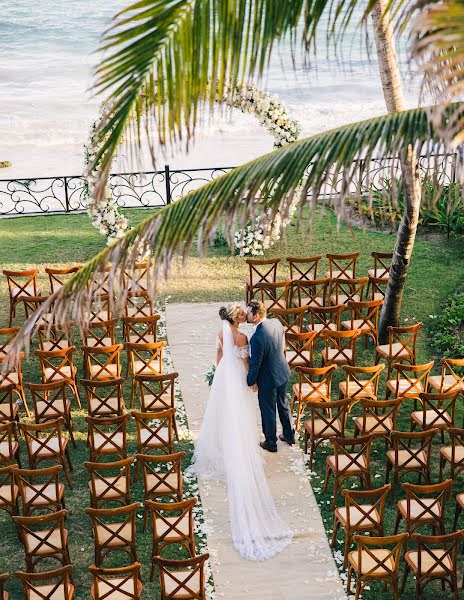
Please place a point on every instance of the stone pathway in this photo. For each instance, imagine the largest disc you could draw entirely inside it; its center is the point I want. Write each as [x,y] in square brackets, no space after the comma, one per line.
[305,570]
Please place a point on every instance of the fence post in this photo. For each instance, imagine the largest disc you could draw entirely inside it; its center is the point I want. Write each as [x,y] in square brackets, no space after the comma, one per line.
[66,197]
[167,183]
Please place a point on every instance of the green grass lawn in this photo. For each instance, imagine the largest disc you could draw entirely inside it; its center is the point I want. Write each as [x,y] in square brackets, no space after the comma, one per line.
[436,271]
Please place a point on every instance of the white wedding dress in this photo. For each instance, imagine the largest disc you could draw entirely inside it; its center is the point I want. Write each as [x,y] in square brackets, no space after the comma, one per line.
[227,448]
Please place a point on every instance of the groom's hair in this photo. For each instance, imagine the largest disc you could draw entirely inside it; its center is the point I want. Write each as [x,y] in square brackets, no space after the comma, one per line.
[257,308]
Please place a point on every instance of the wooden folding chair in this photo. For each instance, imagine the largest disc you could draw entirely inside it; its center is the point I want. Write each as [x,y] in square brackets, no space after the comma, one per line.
[157,392]
[402,342]
[376,289]
[435,557]
[378,418]
[326,420]
[50,401]
[8,403]
[302,269]
[340,347]
[104,398]
[139,305]
[122,583]
[103,363]
[144,359]
[110,482]
[182,579]
[313,292]
[376,559]
[3,579]
[314,384]
[423,505]
[58,366]
[58,277]
[155,431]
[404,458]
[162,477]
[344,464]
[364,316]
[40,489]
[451,377]
[363,513]
[382,265]
[172,524]
[114,529]
[48,585]
[107,436]
[260,271]
[454,454]
[342,265]
[360,382]
[141,330]
[410,381]
[9,445]
[22,287]
[55,336]
[9,491]
[7,335]
[438,411]
[299,349]
[324,317]
[342,290]
[273,295]
[14,375]
[45,441]
[292,319]
[44,537]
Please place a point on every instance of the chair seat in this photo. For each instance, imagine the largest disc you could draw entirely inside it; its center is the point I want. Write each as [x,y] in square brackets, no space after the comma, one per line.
[149,440]
[358,518]
[335,356]
[369,564]
[8,412]
[346,465]
[124,589]
[371,425]
[141,368]
[59,407]
[344,298]
[398,351]
[368,390]
[150,404]
[51,448]
[110,487]
[182,576]
[6,497]
[403,387]
[447,453]
[109,371]
[164,525]
[61,345]
[107,536]
[431,418]
[109,407]
[65,372]
[166,486]
[429,506]
[50,592]
[348,274]
[319,428]
[378,296]
[33,543]
[378,274]
[40,495]
[448,382]
[5,450]
[28,290]
[428,561]
[146,339]
[298,359]
[103,445]
[310,392]
[403,459]
[365,326]
[460,500]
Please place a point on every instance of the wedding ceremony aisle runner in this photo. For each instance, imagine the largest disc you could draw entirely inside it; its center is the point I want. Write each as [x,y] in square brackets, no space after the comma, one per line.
[305,569]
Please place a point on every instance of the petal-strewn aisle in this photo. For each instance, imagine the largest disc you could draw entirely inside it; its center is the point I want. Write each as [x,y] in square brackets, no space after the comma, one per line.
[305,569]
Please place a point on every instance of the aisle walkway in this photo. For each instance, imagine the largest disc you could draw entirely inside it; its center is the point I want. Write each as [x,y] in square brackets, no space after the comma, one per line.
[305,570]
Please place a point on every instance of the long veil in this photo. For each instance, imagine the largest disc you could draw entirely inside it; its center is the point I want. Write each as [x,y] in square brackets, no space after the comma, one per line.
[227,447]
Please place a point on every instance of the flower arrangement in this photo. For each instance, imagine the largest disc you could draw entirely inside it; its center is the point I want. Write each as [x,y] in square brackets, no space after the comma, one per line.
[209,375]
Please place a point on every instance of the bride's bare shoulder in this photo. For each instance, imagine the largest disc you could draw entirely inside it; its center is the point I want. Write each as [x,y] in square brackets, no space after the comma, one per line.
[242,339]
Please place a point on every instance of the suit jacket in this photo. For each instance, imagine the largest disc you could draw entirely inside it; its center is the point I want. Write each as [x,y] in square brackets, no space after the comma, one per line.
[268,365]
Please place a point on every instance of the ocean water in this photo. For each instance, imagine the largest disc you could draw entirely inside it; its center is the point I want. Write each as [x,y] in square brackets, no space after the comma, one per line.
[47,56]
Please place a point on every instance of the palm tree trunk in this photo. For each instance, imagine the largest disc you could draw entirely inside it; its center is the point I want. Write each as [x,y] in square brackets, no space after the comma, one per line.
[393,93]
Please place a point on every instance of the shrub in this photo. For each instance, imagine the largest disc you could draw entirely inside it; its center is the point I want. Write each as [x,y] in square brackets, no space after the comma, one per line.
[447,328]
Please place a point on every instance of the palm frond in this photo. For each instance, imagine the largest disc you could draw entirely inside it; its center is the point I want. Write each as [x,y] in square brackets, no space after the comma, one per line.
[267,183]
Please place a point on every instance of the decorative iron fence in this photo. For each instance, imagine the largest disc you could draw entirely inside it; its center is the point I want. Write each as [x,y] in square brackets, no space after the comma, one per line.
[66,194]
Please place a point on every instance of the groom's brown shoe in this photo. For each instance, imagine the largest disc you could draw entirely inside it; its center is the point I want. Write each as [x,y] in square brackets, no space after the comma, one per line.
[282,438]
[264,446]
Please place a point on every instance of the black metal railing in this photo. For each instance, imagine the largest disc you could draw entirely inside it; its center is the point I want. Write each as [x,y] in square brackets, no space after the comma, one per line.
[67,194]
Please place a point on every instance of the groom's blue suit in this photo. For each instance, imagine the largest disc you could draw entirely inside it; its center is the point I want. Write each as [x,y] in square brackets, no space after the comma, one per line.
[269,369]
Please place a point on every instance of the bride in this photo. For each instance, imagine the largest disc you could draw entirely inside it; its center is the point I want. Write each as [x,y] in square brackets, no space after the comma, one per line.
[227,447]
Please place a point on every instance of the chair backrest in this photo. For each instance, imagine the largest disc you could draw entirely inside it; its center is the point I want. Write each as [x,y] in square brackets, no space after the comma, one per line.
[55,336]
[48,585]
[58,277]
[109,481]
[147,358]
[418,454]
[31,528]
[365,314]
[426,501]
[8,396]
[344,263]
[162,474]
[369,562]
[99,308]
[108,435]
[452,374]
[7,486]
[377,287]
[56,365]
[326,316]
[190,587]
[155,431]
[262,271]
[137,280]
[102,282]
[114,526]
[440,408]
[42,437]
[343,290]
[292,319]
[405,337]
[413,378]
[103,362]
[7,335]
[8,442]
[352,453]
[327,416]
[362,381]
[311,292]
[315,382]
[100,333]
[303,268]
[122,583]
[49,399]
[38,488]
[429,561]
[368,505]
[139,304]
[157,392]
[382,263]
[273,295]
[379,417]
[22,283]
[104,397]
[168,520]
[300,348]
[141,330]
[343,342]
[457,444]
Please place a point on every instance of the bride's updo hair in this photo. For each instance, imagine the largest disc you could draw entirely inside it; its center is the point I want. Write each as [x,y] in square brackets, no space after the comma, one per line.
[230,312]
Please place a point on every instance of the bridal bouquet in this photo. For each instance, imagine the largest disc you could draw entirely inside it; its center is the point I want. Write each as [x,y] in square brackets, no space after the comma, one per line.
[209,375]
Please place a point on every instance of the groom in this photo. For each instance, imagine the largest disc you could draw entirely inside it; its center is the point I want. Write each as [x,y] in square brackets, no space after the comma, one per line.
[270,372]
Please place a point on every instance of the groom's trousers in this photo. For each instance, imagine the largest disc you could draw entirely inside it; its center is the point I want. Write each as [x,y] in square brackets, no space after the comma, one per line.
[269,399]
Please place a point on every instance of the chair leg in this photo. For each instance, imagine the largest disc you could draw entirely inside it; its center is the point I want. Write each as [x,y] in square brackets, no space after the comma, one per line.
[405,576]
[457,512]
[418,590]
[358,590]
[76,393]
[326,480]
[397,523]
[335,531]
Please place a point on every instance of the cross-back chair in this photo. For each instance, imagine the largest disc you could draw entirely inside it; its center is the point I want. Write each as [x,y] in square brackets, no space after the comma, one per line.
[302,269]
[50,401]
[155,431]
[360,382]
[55,336]
[339,347]
[141,330]
[110,482]
[344,464]
[342,290]
[324,317]
[438,411]
[453,454]
[44,537]
[9,408]
[48,585]
[292,319]
[314,384]
[144,359]
[58,366]
[273,295]
[45,441]
[13,374]
[40,489]
[9,445]
[99,308]
[378,418]
[410,380]
[312,292]
[363,513]
[172,524]
[137,280]
[7,335]
[342,265]
[260,271]
[364,316]
[58,277]
[9,491]
[376,289]
[103,363]
[157,392]
[139,305]
[182,579]
[98,334]
[121,583]
[114,529]
[401,347]
[299,348]
[382,265]
[162,477]
[104,397]
[22,288]
[376,559]
[107,436]
[451,377]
